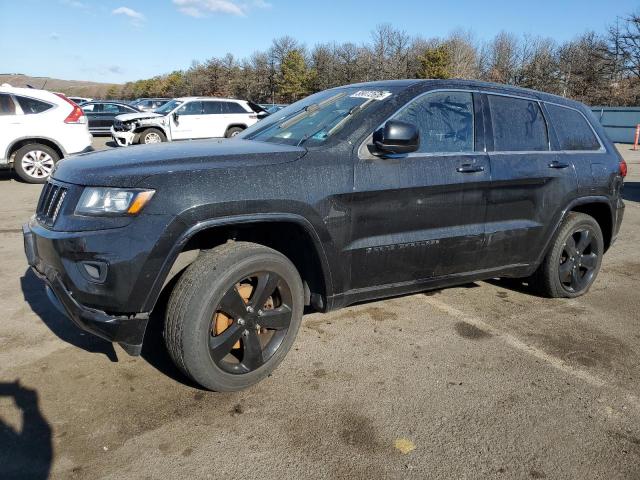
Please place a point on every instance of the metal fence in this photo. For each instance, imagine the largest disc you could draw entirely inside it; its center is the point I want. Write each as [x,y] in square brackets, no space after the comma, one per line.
[619,122]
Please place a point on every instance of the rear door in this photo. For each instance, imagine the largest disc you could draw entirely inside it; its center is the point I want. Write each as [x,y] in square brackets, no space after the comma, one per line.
[215,121]
[530,183]
[422,215]
[188,123]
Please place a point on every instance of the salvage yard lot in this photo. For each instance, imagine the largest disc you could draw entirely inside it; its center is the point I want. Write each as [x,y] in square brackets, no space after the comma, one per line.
[485,381]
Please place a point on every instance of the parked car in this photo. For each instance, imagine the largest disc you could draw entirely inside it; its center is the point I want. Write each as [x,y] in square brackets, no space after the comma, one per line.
[186,118]
[101,114]
[38,128]
[149,104]
[352,194]
[79,100]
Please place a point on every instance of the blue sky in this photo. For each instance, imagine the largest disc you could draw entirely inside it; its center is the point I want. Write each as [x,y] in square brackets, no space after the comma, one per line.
[121,40]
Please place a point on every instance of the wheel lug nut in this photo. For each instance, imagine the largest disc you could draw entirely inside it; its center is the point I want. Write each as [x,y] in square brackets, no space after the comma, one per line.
[250,309]
[241,321]
[245,333]
[259,312]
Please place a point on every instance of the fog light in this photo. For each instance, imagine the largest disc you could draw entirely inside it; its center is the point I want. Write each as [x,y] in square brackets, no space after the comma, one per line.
[94,271]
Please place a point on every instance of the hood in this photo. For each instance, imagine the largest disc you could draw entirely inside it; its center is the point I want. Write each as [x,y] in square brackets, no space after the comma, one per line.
[137,116]
[127,167]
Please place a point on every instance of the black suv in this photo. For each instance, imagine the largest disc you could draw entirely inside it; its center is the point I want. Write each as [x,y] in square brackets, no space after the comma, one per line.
[352,194]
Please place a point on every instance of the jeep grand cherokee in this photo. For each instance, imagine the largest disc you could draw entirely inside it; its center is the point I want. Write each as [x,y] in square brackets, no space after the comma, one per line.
[352,194]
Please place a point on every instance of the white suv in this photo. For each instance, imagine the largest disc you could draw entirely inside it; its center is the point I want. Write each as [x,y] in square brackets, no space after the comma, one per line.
[187,118]
[38,128]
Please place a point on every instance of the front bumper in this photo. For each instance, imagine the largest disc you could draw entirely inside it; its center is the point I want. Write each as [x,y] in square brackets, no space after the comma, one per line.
[123,138]
[127,330]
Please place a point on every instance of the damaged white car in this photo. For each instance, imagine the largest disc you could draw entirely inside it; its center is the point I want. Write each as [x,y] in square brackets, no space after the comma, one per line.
[187,118]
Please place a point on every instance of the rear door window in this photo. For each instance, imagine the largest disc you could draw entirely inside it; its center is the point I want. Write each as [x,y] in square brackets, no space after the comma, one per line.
[444,119]
[518,125]
[213,108]
[233,107]
[574,133]
[31,105]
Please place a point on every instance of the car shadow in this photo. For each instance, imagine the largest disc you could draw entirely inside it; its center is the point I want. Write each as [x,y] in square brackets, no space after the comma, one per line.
[27,451]
[154,350]
[519,285]
[33,290]
[631,191]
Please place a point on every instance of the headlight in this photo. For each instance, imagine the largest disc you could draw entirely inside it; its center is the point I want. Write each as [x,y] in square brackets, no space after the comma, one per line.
[112,201]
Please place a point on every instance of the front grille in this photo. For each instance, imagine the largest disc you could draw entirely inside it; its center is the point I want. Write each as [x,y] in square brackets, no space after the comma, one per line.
[50,203]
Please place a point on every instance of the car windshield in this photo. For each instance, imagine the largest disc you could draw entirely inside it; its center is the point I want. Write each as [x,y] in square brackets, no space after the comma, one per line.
[167,107]
[313,120]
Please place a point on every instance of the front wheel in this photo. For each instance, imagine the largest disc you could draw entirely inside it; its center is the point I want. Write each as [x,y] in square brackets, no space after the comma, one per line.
[573,262]
[233,315]
[152,135]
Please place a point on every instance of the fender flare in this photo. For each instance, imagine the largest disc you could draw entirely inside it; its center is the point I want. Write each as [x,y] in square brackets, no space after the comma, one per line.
[565,211]
[35,140]
[154,292]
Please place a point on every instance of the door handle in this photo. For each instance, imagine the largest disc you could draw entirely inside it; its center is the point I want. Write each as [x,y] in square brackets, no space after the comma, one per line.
[469,168]
[557,164]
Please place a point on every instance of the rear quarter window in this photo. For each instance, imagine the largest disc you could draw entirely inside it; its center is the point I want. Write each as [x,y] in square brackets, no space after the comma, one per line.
[518,125]
[7,107]
[31,105]
[573,130]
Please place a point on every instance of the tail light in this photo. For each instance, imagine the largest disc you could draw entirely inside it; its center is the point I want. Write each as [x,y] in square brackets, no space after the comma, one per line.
[76,115]
[623,169]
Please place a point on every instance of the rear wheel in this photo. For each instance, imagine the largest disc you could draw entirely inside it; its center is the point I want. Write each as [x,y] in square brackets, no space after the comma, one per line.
[34,162]
[152,135]
[233,131]
[573,262]
[233,315]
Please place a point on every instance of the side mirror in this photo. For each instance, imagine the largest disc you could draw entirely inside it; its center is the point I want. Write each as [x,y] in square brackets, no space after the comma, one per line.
[175,117]
[397,137]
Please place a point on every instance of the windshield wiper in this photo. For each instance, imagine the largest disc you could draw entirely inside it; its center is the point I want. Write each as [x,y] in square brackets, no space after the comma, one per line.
[309,109]
[343,120]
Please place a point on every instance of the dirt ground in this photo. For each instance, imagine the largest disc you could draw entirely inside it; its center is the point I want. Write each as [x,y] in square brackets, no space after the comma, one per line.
[480,381]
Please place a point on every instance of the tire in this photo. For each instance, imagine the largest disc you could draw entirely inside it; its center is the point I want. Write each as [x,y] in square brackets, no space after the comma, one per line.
[152,135]
[34,162]
[233,131]
[570,268]
[208,287]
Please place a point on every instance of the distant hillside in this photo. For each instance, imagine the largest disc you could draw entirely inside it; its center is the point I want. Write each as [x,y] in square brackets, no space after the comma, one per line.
[69,87]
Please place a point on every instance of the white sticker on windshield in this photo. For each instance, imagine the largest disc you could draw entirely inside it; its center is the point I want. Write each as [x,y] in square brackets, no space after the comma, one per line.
[371,94]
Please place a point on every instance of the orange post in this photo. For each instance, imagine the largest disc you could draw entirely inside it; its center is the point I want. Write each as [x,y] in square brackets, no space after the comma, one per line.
[635,142]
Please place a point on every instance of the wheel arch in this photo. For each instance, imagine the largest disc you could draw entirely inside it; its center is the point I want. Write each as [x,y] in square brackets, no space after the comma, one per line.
[598,206]
[292,235]
[22,141]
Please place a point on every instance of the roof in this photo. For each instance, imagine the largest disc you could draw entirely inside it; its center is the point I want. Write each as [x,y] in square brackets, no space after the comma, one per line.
[468,84]
[184,99]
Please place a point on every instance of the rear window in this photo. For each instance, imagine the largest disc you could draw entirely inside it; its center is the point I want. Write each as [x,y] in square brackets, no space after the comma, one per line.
[574,133]
[31,105]
[518,125]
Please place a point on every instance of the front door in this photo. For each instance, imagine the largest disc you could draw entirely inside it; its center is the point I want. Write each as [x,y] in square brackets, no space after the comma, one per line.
[188,122]
[422,215]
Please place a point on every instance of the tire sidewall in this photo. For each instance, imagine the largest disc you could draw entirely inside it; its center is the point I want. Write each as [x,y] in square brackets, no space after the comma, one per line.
[196,331]
[17,161]
[575,223]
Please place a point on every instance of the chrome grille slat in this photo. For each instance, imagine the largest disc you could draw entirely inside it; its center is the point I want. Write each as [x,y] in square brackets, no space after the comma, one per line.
[50,203]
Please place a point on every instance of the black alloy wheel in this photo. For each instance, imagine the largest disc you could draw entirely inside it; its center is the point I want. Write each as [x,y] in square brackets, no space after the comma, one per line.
[256,325]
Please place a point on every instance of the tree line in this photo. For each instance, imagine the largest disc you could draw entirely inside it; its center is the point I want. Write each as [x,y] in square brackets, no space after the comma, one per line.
[594,68]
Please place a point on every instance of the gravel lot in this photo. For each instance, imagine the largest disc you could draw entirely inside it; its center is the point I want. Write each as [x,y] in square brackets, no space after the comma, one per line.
[480,381]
